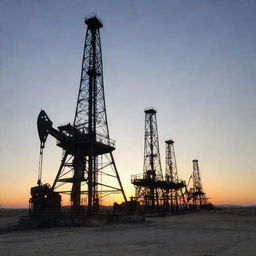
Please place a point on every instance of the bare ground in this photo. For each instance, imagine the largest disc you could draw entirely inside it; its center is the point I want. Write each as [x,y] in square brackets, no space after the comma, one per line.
[218,232]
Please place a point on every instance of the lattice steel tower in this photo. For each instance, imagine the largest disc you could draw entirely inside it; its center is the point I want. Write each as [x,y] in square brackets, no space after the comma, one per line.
[171,173]
[87,164]
[197,193]
[152,163]
[147,188]
[174,194]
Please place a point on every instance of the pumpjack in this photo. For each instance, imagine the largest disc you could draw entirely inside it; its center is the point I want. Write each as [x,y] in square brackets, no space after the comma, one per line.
[87,167]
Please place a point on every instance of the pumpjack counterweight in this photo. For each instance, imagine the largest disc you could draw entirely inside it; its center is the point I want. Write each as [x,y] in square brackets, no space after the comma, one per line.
[88,167]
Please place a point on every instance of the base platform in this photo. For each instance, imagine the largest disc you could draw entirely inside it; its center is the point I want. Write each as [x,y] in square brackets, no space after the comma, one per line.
[78,220]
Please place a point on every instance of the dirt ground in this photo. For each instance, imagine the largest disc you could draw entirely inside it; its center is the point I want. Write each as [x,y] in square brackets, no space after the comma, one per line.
[218,232]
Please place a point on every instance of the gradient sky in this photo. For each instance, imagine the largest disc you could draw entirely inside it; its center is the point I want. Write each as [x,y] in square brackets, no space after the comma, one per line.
[194,61]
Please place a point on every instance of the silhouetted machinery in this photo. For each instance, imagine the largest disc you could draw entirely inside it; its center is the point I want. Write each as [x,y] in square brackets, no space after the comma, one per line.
[44,201]
[88,172]
[87,168]
[154,192]
[148,185]
[174,194]
[196,196]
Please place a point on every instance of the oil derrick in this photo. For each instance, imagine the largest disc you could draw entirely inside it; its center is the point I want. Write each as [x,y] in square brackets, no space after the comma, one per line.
[87,171]
[152,163]
[147,185]
[174,195]
[196,195]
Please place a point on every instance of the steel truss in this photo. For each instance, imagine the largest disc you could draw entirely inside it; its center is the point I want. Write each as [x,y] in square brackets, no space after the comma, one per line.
[195,195]
[87,171]
[152,190]
[147,189]
[175,193]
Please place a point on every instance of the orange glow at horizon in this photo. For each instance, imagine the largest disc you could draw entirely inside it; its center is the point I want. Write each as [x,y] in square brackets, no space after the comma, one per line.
[240,193]
[13,201]
[215,197]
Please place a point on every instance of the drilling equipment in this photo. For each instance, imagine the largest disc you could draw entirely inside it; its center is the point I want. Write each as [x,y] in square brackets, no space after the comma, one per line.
[152,191]
[174,193]
[148,185]
[195,195]
[87,167]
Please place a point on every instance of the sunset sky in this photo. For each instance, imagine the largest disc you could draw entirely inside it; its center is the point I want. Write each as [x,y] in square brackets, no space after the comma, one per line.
[194,61]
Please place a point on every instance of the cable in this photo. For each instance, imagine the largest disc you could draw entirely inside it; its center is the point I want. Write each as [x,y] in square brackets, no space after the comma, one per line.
[39,181]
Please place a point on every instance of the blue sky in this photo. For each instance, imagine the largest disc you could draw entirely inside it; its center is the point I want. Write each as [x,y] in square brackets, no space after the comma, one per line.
[194,61]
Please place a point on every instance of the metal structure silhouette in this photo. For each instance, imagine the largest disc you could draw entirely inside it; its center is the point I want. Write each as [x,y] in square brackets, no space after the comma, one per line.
[152,163]
[174,194]
[171,173]
[87,168]
[147,185]
[196,195]
[152,189]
